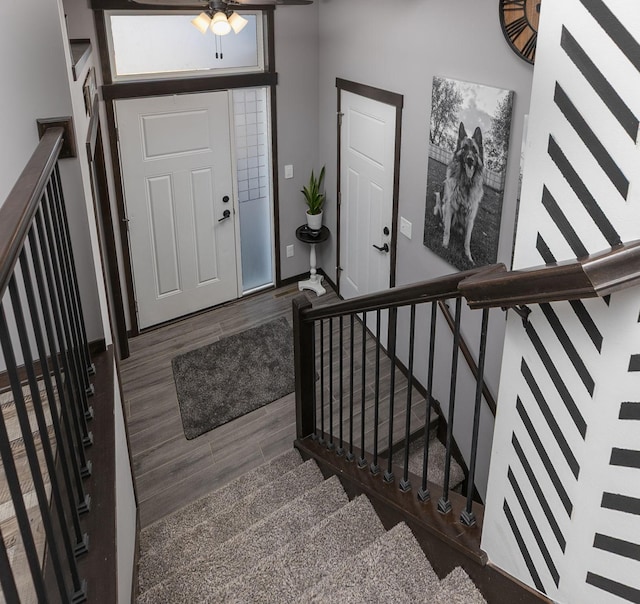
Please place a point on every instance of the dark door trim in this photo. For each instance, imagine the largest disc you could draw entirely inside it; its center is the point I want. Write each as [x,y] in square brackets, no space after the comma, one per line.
[113,91]
[388,98]
[106,234]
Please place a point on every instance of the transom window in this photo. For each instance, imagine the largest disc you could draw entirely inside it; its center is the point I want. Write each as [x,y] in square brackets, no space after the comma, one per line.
[144,46]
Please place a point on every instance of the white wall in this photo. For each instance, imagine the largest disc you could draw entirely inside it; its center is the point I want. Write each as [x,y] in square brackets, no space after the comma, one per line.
[560,506]
[32,65]
[125,504]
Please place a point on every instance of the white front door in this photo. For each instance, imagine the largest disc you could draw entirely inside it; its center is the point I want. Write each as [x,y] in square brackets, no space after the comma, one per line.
[176,170]
[367,152]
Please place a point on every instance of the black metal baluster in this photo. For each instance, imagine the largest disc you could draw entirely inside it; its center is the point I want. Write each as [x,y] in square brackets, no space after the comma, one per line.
[59,249]
[49,291]
[73,419]
[7,580]
[405,484]
[314,436]
[62,212]
[321,440]
[73,371]
[72,304]
[28,441]
[423,493]
[331,445]
[350,456]
[362,461]
[444,505]
[375,468]
[13,482]
[82,541]
[467,517]
[340,449]
[393,319]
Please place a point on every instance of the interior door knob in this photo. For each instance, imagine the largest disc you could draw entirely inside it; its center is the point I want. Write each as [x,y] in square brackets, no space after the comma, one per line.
[226,214]
[384,248]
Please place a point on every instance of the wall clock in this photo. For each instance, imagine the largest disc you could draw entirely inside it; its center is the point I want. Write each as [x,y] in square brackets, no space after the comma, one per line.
[519,20]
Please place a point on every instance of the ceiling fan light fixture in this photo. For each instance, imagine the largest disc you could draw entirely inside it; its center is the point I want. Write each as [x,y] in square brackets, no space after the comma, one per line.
[220,25]
[237,22]
[202,22]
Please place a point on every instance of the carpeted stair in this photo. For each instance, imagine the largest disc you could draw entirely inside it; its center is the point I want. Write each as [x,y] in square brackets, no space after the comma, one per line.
[281,533]
[435,468]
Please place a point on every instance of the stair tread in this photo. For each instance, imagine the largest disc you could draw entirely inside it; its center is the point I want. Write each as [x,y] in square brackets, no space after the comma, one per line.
[204,577]
[458,588]
[217,501]
[392,569]
[286,574]
[437,455]
[192,544]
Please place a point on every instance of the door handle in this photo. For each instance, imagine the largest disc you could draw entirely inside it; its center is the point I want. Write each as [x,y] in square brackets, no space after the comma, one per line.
[227,214]
[384,248]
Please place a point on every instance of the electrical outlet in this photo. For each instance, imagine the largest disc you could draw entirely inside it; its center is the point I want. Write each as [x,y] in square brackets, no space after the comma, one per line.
[405,227]
[288,171]
[290,251]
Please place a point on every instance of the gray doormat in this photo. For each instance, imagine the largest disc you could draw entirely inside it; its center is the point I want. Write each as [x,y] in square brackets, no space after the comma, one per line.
[236,375]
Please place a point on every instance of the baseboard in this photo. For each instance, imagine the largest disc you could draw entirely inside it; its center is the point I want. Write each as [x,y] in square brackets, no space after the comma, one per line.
[328,279]
[292,280]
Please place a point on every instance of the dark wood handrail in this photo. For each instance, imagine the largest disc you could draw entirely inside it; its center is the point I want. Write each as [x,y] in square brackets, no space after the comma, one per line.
[595,275]
[17,212]
[441,288]
[493,286]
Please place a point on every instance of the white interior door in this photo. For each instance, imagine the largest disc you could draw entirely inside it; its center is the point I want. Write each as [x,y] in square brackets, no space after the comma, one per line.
[176,169]
[366,175]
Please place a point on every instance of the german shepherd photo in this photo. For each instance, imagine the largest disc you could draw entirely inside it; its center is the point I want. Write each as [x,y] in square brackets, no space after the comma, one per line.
[465,172]
[462,189]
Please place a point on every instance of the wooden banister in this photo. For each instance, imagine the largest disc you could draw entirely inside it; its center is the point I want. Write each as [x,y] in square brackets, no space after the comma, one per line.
[441,288]
[595,275]
[16,214]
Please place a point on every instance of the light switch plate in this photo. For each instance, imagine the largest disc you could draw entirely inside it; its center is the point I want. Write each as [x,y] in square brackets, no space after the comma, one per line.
[288,171]
[289,251]
[405,227]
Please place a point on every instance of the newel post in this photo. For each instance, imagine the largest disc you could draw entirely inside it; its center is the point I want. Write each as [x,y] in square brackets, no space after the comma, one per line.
[304,366]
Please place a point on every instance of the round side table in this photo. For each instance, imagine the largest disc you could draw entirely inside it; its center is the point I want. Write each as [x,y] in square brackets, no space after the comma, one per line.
[306,235]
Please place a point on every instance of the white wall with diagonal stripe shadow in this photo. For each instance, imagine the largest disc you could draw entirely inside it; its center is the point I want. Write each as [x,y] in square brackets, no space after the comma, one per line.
[563,502]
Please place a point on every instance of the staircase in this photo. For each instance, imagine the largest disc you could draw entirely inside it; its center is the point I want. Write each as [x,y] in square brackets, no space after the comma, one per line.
[282,533]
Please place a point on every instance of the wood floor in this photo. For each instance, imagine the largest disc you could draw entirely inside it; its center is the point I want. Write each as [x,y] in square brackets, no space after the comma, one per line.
[170,470]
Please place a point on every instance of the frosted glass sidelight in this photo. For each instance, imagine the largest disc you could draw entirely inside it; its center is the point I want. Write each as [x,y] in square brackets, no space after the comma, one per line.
[143,46]
[250,112]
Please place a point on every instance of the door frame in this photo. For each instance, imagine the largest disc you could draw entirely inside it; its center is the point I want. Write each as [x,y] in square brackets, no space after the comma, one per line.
[110,92]
[388,98]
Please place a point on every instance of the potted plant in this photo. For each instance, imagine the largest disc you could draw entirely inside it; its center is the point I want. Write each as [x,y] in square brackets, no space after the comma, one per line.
[315,200]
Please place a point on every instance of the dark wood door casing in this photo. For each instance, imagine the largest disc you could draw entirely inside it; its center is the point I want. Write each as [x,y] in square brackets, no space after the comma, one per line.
[388,98]
[111,92]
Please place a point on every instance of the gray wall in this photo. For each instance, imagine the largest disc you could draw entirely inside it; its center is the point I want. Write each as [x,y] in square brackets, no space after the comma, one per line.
[461,40]
[296,41]
[34,71]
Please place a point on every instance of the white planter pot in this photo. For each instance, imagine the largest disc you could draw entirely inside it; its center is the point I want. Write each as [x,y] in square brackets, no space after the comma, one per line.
[314,221]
